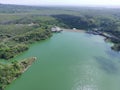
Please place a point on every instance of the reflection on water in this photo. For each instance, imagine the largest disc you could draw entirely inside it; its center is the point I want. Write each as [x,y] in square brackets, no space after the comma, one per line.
[113,54]
[107,65]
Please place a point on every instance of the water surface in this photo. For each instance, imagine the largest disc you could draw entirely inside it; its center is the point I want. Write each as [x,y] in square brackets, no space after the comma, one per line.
[70,61]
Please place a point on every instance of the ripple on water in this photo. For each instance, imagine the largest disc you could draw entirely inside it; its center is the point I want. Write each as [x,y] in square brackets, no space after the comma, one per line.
[84,77]
[81,86]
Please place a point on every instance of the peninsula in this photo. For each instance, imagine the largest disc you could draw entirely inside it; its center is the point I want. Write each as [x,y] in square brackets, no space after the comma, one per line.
[11,71]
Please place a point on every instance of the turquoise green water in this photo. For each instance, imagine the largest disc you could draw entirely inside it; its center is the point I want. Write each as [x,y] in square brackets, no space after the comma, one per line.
[70,61]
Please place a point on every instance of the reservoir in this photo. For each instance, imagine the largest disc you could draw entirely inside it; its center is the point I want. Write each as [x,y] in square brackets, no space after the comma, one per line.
[70,61]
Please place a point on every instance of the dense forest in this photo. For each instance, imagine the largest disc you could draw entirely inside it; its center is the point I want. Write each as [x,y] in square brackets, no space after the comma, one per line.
[22,25]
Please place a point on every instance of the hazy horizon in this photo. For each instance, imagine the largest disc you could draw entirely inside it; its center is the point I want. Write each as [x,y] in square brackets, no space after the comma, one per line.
[91,3]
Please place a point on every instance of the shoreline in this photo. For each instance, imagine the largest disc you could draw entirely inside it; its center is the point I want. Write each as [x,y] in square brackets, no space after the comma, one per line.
[115,47]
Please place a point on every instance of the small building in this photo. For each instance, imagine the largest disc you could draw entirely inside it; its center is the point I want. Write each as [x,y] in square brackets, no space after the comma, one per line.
[74,28]
[56,29]
[95,29]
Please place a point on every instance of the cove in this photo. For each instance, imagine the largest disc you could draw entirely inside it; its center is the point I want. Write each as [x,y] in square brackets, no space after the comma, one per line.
[70,61]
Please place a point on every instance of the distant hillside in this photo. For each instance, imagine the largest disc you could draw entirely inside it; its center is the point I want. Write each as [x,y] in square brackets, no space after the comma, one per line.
[8,8]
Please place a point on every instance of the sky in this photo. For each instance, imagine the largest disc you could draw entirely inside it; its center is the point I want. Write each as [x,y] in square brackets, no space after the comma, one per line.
[64,2]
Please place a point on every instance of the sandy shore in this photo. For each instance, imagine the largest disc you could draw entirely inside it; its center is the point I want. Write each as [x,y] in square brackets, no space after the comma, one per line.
[76,30]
